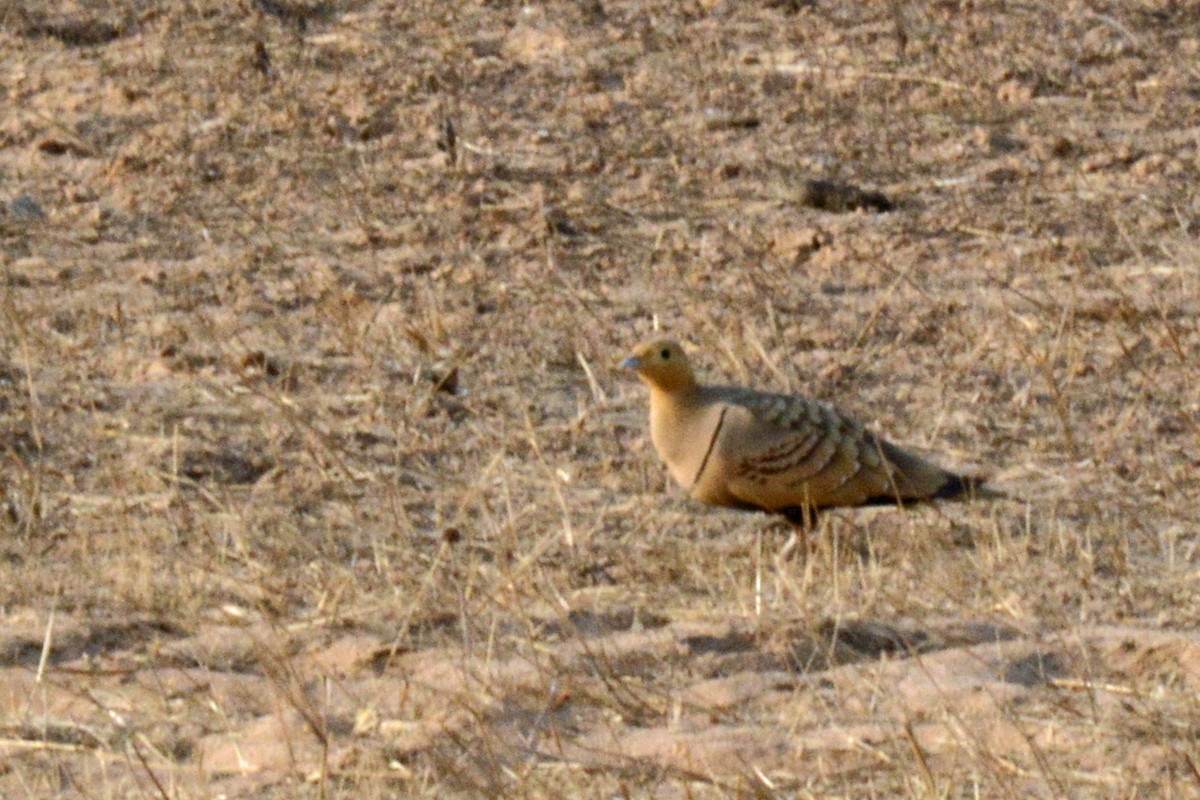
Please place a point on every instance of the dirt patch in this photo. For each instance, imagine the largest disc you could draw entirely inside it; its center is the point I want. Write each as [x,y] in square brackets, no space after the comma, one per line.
[317,474]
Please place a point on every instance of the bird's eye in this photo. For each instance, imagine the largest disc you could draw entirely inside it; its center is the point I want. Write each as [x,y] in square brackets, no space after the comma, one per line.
[666,354]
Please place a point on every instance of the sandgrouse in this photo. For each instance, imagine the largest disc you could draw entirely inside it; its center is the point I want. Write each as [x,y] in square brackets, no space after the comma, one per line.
[741,448]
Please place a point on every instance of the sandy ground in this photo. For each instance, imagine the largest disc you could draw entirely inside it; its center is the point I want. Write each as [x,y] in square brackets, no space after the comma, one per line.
[318,477]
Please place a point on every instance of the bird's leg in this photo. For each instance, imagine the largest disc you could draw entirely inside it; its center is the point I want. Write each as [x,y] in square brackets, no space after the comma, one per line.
[802,519]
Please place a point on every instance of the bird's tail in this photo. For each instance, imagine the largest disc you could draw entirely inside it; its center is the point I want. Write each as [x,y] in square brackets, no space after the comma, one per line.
[966,487]
[917,479]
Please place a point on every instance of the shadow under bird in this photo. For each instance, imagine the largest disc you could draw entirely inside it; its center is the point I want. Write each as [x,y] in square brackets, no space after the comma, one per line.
[741,448]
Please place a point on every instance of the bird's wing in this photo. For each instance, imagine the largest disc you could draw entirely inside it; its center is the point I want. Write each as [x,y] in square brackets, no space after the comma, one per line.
[779,451]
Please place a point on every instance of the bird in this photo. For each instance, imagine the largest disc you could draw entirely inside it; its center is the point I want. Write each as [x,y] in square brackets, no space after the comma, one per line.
[741,448]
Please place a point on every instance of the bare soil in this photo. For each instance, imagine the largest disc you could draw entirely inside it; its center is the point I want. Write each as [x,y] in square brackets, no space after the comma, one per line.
[318,477]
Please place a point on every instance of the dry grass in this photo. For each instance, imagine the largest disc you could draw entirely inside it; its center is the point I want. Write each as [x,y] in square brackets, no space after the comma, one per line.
[318,479]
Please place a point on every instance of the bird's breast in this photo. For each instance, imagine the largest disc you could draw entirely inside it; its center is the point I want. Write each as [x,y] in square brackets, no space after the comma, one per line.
[684,438]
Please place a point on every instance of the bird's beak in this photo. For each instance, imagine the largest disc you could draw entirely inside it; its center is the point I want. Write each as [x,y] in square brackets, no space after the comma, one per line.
[633,362]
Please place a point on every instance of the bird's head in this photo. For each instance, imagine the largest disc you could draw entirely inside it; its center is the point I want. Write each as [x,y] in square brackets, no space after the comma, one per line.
[661,364]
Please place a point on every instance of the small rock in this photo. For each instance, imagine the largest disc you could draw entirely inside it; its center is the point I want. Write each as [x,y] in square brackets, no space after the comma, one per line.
[1152,165]
[840,198]
[996,142]
[1015,92]
[25,207]
[1053,147]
